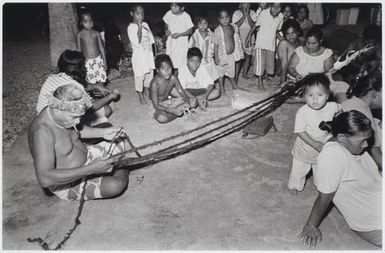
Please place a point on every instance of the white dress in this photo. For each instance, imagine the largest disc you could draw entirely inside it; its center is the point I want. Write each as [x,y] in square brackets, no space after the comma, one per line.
[142,55]
[177,48]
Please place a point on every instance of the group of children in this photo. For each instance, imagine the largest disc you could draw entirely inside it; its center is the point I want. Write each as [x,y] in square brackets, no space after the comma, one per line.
[222,49]
[218,53]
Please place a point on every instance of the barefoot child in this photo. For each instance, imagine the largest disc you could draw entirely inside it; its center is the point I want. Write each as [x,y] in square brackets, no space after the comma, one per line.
[203,39]
[162,89]
[269,23]
[244,18]
[90,43]
[227,49]
[141,39]
[196,80]
[310,139]
[179,27]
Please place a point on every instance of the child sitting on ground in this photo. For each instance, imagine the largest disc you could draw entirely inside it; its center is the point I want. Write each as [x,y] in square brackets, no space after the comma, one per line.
[310,139]
[269,23]
[179,27]
[141,39]
[196,80]
[90,43]
[203,39]
[167,95]
[227,49]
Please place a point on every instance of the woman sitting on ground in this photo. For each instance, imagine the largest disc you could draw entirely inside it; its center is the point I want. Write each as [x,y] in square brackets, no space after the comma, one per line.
[364,96]
[348,177]
[72,70]
[312,57]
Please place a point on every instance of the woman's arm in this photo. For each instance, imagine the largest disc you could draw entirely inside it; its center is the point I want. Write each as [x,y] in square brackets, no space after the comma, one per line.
[293,62]
[311,234]
[328,63]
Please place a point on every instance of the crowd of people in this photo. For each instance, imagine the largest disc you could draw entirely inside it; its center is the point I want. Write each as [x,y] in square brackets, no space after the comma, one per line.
[338,138]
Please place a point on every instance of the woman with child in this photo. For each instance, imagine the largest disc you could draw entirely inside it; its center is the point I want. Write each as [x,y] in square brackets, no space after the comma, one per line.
[348,177]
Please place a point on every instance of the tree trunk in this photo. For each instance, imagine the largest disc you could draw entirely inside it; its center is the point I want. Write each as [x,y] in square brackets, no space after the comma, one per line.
[63,25]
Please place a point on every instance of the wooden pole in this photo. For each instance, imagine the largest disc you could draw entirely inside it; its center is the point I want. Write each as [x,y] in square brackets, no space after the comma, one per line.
[63,25]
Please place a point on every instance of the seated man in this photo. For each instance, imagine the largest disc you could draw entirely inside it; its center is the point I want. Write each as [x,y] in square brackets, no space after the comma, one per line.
[196,80]
[167,95]
[62,162]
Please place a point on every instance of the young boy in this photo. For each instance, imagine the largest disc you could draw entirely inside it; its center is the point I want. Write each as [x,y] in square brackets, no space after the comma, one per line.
[227,49]
[89,42]
[202,38]
[162,89]
[269,23]
[196,80]
[179,27]
[141,39]
[244,18]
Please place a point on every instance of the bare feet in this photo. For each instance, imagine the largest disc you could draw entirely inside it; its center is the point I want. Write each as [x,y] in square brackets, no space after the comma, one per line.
[245,77]
[142,100]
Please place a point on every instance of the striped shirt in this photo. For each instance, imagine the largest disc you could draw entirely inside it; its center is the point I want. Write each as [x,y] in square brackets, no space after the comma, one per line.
[53,82]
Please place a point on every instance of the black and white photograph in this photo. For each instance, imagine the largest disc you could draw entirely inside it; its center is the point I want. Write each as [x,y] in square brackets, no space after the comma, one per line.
[200,126]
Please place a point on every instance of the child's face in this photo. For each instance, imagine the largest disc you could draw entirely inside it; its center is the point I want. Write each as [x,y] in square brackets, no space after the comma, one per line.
[275,9]
[287,12]
[244,7]
[291,35]
[138,14]
[263,5]
[224,18]
[203,25]
[193,63]
[165,70]
[316,97]
[301,15]
[176,9]
[87,22]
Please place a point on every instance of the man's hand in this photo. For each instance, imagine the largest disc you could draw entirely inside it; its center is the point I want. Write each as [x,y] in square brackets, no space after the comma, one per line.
[310,235]
[104,164]
[167,32]
[110,132]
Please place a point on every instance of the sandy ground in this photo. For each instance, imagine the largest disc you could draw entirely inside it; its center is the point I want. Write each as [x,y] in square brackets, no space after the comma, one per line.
[229,195]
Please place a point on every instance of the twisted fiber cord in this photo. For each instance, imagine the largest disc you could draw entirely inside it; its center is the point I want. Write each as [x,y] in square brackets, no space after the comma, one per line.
[275,101]
[44,244]
[284,92]
[173,150]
